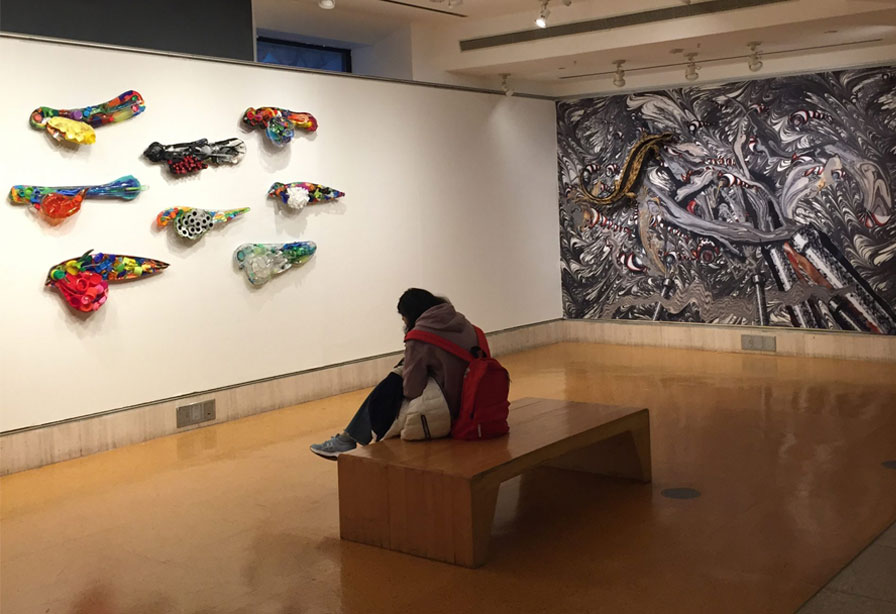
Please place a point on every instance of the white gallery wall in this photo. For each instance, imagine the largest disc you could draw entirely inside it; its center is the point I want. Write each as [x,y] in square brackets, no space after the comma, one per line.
[447,190]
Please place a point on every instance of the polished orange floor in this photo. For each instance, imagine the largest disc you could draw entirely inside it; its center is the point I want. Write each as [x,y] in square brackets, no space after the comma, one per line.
[241,518]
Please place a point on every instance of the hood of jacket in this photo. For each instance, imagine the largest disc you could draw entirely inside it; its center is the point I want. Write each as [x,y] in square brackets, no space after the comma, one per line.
[442,318]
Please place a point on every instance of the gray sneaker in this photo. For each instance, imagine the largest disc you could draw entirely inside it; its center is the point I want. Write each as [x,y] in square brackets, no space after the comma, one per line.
[334,446]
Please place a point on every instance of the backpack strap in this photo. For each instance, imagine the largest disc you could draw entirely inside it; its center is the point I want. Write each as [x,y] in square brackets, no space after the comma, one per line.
[441,342]
[452,348]
[483,342]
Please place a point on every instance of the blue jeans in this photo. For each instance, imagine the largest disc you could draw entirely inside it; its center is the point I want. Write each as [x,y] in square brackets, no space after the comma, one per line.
[378,411]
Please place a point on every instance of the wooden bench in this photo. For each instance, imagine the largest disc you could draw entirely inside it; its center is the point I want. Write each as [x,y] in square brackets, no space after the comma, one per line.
[437,499]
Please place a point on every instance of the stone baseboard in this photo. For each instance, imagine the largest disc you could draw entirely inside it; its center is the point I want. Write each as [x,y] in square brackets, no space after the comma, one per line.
[717,338]
[50,443]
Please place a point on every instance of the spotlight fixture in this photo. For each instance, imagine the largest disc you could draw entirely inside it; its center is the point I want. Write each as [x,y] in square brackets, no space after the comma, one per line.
[690,72]
[505,86]
[326,4]
[543,14]
[754,63]
[619,78]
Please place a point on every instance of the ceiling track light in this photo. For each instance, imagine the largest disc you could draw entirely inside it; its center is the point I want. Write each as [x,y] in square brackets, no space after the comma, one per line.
[505,86]
[326,4]
[690,71]
[754,63]
[619,78]
[544,12]
[542,20]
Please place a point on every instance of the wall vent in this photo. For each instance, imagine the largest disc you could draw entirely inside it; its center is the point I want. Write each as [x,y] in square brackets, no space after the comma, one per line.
[194,413]
[607,23]
[758,343]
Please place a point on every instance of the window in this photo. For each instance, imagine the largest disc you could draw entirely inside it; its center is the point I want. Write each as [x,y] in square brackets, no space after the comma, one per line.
[303,55]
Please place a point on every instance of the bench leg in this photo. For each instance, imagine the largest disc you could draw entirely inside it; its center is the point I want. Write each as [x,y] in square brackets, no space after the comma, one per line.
[625,455]
[427,514]
[473,525]
[363,501]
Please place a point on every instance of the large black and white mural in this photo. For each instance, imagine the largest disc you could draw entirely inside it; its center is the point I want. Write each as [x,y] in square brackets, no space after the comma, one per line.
[763,202]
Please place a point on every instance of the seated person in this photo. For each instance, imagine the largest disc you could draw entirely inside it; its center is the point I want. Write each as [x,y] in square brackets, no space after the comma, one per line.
[424,311]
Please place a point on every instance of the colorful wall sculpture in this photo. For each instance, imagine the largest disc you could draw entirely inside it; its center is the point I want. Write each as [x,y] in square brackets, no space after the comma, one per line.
[279,124]
[771,204]
[58,203]
[186,158]
[76,125]
[296,195]
[192,224]
[261,261]
[84,281]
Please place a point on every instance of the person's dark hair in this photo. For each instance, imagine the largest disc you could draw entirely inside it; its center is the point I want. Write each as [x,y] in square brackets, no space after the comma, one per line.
[415,301]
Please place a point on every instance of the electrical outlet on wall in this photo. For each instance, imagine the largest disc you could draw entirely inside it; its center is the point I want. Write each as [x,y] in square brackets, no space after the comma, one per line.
[195,413]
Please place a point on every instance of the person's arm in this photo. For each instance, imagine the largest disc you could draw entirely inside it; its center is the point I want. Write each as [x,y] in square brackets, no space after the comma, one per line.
[416,368]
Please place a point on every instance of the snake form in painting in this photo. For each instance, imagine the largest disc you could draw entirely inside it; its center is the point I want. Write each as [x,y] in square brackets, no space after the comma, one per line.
[261,261]
[58,203]
[634,163]
[84,282]
[76,125]
[279,124]
[192,223]
[185,158]
[296,195]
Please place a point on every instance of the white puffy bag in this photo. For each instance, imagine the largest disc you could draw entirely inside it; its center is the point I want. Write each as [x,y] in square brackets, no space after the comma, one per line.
[426,417]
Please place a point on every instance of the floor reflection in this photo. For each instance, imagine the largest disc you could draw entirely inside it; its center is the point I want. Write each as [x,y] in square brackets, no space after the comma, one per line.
[240,518]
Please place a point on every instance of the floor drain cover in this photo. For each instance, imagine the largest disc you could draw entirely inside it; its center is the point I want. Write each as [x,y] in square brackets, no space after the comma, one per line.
[680,493]
[889,464]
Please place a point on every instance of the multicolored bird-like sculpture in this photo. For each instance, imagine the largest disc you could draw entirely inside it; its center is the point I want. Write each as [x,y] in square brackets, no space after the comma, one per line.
[184,158]
[76,125]
[279,124]
[297,194]
[192,223]
[261,261]
[84,282]
[61,202]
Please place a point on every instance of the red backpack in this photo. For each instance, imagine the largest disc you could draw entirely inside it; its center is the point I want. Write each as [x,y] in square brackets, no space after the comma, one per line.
[484,405]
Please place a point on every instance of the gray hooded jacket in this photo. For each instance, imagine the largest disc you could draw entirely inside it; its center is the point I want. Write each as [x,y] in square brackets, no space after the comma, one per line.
[424,360]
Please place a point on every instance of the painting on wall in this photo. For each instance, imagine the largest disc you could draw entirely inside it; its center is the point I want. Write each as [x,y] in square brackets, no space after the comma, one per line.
[765,202]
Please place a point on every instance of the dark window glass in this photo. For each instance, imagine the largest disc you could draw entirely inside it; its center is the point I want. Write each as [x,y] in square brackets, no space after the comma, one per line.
[303,55]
